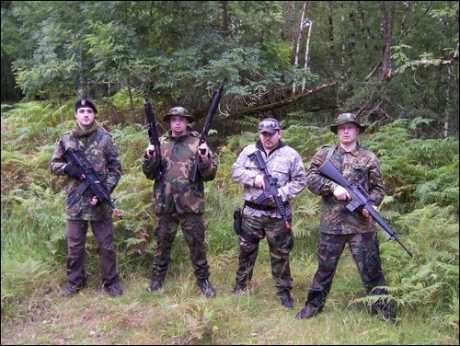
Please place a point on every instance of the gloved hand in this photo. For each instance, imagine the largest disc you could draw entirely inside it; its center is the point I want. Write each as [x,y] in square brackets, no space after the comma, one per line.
[73,171]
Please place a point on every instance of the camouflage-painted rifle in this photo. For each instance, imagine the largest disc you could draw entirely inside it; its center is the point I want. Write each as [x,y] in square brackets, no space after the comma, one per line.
[359,199]
[194,175]
[153,135]
[91,178]
[271,188]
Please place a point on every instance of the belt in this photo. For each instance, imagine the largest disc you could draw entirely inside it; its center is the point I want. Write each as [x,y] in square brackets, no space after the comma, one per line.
[262,207]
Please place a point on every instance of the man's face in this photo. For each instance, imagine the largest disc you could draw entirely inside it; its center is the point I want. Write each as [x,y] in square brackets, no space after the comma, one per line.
[348,133]
[85,116]
[178,124]
[269,140]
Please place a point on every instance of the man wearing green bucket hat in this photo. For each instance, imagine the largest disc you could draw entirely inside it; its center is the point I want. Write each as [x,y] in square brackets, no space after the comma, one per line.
[339,226]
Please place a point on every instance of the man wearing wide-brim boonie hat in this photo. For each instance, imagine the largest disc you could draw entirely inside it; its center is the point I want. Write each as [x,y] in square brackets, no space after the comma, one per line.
[344,118]
[179,111]
[339,226]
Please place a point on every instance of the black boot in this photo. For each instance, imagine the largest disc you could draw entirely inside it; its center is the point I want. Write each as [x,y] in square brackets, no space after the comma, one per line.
[385,309]
[286,299]
[308,311]
[71,289]
[206,288]
[155,285]
[115,289]
[239,288]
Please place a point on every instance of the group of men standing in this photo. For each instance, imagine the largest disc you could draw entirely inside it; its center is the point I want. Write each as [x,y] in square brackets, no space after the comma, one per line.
[179,201]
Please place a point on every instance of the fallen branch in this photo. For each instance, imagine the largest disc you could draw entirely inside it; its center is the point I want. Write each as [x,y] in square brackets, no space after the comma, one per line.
[289,100]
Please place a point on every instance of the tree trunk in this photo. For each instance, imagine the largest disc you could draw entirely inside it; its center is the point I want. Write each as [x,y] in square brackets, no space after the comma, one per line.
[131,101]
[364,25]
[306,66]
[226,19]
[330,20]
[297,48]
[387,8]
[287,34]
[284,102]
[447,106]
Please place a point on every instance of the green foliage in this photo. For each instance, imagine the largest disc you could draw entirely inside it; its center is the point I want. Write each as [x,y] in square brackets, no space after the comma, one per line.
[430,278]
[121,99]
[21,280]
[418,173]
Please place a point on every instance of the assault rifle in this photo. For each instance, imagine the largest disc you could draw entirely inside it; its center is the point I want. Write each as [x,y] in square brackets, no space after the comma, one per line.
[359,199]
[153,134]
[271,188]
[207,125]
[91,178]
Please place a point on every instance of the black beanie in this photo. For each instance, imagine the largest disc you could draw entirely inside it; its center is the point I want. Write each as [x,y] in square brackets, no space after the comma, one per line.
[85,103]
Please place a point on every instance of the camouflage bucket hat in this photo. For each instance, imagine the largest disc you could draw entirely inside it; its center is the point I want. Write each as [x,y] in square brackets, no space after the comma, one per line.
[180,111]
[344,118]
[270,125]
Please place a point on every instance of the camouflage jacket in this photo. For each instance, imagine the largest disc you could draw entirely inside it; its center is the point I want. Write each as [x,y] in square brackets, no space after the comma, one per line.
[283,163]
[173,192]
[102,153]
[360,166]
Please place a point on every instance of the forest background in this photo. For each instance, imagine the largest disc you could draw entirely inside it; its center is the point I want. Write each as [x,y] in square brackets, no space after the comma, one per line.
[395,64]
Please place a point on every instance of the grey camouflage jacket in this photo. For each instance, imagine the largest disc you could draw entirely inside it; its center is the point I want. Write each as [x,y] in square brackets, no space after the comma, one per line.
[283,163]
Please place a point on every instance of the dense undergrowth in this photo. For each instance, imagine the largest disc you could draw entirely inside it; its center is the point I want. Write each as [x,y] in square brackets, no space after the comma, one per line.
[421,177]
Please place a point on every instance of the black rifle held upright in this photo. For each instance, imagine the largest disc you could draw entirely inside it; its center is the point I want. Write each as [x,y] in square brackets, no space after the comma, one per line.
[271,188]
[153,135]
[194,175]
[91,179]
[359,199]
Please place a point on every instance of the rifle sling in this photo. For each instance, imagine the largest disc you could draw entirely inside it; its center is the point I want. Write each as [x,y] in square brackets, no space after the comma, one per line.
[330,152]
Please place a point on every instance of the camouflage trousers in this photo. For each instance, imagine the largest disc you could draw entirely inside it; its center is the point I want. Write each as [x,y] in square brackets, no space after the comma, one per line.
[76,238]
[194,232]
[365,251]
[280,243]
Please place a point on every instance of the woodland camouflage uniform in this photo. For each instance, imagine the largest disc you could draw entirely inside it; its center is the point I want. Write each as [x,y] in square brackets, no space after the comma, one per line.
[102,153]
[177,200]
[338,226]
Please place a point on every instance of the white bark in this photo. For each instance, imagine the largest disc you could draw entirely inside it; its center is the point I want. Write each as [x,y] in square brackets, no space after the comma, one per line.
[299,35]
[306,66]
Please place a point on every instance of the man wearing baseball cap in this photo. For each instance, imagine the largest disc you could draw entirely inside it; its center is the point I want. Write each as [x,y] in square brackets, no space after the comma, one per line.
[264,220]
[339,226]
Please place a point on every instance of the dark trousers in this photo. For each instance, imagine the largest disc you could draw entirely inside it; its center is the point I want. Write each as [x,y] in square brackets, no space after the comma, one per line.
[365,251]
[194,231]
[76,238]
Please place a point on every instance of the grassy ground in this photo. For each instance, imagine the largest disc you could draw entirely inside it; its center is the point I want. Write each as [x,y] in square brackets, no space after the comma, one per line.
[33,248]
[180,315]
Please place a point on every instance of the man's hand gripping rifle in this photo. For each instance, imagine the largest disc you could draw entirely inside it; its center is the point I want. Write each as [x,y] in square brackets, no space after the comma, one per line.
[359,199]
[271,189]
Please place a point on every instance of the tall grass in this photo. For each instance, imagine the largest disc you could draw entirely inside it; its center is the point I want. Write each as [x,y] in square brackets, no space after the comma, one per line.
[422,204]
